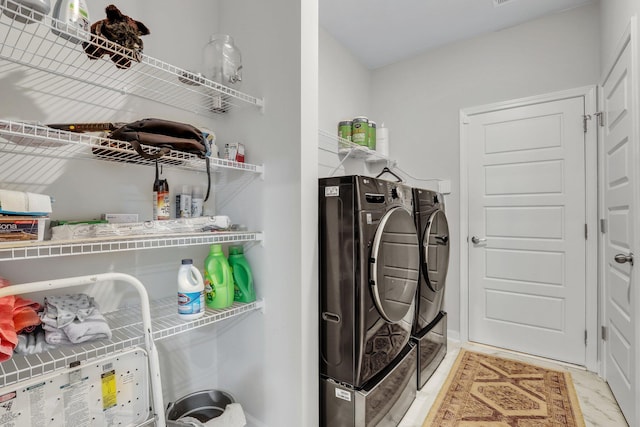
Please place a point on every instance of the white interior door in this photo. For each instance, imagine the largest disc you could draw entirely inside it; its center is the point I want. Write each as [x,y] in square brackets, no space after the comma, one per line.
[527,247]
[619,165]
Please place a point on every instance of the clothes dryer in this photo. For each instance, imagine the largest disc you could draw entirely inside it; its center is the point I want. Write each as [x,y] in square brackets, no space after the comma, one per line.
[369,261]
[430,324]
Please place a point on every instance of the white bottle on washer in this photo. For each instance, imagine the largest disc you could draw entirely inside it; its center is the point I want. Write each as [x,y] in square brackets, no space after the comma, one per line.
[382,141]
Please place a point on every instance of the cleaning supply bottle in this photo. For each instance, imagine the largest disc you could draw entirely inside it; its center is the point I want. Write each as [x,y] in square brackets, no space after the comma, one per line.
[197,201]
[190,291]
[183,203]
[218,279]
[161,201]
[74,16]
[242,277]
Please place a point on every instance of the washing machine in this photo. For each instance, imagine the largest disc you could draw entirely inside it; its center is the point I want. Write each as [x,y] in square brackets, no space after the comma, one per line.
[368,278]
[429,331]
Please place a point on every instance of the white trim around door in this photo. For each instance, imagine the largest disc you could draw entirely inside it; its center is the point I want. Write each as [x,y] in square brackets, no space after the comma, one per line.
[591,209]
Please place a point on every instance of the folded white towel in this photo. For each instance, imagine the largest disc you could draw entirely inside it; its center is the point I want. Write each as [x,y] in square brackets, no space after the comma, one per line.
[19,202]
[233,416]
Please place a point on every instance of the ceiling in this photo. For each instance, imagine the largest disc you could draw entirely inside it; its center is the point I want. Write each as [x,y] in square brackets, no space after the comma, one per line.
[381,32]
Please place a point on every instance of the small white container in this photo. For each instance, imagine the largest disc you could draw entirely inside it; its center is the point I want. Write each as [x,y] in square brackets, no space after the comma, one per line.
[197,201]
[183,203]
[382,141]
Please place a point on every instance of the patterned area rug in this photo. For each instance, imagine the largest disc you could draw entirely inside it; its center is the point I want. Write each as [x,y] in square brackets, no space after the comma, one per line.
[488,391]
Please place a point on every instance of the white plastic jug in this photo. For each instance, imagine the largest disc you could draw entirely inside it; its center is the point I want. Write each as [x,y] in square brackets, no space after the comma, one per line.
[190,291]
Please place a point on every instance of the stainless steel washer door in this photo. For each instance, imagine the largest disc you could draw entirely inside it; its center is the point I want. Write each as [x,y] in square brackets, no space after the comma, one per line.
[394,264]
[436,245]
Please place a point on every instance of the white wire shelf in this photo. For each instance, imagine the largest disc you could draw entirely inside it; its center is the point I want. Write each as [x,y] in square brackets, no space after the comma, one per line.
[334,144]
[32,43]
[42,141]
[49,249]
[127,332]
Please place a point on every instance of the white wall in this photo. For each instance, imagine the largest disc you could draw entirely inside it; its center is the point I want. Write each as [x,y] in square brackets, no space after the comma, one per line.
[267,359]
[345,84]
[419,99]
[614,18]
[345,93]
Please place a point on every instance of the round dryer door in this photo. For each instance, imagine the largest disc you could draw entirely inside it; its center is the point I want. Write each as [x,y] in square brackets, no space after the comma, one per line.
[394,263]
[436,245]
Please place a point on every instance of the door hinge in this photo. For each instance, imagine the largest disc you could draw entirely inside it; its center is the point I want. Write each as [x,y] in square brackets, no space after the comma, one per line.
[584,122]
[586,232]
[603,332]
[603,226]
[600,118]
[585,337]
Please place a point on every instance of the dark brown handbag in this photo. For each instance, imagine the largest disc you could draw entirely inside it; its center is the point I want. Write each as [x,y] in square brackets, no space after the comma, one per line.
[159,134]
[163,134]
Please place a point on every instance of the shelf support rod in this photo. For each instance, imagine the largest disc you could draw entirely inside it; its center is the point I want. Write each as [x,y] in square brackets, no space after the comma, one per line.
[341,162]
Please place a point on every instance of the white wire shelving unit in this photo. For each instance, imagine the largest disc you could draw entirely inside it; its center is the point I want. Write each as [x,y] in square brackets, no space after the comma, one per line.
[127,332]
[50,249]
[132,327]
[31,43]
[332,143]
[345,149]
[39,140]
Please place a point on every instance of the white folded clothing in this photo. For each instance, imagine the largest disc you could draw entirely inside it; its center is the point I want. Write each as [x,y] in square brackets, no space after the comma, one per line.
[32,343]
[60,310]
[93,327]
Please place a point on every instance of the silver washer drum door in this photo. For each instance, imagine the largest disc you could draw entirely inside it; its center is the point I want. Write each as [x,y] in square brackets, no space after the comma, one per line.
[395,260]
[436,241]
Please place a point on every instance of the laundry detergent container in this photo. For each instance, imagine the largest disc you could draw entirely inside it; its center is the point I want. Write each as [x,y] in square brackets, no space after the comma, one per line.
[202,405]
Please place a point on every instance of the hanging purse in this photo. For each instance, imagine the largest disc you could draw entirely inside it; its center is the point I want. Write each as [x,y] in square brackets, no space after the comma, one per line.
[162,136]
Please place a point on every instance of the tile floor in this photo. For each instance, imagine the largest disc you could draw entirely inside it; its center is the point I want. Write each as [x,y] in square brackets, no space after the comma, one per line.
[598,406]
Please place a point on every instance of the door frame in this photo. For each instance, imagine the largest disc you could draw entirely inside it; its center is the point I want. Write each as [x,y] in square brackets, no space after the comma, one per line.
[591,209]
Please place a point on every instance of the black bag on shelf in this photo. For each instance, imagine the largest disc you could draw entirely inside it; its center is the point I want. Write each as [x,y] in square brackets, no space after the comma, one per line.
[161,135]
[165,135]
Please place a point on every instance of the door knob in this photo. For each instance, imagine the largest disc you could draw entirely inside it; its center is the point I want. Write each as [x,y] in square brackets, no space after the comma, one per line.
[622,258]
[476,240]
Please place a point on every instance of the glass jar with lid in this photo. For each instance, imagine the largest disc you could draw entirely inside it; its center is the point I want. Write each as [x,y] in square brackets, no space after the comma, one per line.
[222,60]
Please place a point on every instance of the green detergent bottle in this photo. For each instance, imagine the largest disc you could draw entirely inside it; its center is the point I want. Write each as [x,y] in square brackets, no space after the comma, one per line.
[242,277]
[218,279]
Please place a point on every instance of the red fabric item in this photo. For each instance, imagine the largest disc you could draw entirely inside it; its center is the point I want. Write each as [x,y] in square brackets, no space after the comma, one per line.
[16,313]
[25,314]
[8,336]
